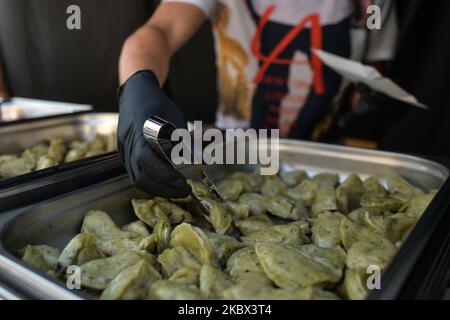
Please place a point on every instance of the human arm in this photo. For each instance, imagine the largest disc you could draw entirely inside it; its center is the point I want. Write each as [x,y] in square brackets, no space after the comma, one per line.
[152,46]
[143,68]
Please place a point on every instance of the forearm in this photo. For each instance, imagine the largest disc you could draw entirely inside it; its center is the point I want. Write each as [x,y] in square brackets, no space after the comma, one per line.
[147,48]
[152,46]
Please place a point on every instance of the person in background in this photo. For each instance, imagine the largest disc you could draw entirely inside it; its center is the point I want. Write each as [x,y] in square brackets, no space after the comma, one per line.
[422,67]
[42,58]
[268,74]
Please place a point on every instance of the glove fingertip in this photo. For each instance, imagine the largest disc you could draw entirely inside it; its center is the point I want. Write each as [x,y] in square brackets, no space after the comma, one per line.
[184,191]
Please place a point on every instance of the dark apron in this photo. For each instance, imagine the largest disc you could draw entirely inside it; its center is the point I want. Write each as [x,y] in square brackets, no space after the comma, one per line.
[335,39]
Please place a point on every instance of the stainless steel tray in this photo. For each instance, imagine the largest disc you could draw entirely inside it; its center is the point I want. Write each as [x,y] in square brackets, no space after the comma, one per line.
[56,221]
[15,138]
[7,293]
[18,137]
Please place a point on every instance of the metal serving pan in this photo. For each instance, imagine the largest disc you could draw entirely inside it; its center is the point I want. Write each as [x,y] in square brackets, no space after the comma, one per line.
[18,137]
[56,221]
[6,293]
[15,138]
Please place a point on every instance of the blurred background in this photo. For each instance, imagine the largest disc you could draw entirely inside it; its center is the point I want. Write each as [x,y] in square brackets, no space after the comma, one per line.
[50,65]
[41,60]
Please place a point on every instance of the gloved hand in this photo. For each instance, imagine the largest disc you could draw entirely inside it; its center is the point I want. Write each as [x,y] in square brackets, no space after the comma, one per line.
[140,98]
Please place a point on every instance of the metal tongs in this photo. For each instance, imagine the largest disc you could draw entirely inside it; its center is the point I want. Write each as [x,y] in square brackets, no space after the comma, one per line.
[158,133]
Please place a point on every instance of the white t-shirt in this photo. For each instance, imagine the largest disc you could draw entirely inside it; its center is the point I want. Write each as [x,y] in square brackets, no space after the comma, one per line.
[274,90]
[288,12]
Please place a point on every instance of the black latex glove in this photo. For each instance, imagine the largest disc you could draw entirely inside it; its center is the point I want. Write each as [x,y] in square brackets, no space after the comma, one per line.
[140,98]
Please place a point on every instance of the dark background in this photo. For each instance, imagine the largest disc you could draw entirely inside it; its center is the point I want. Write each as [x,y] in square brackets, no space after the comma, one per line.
[43,59]
[34,42]
[422,66]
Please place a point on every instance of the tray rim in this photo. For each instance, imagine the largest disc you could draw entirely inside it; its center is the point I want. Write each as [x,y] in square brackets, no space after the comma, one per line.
[38,122]
[379,295]
[70,108]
